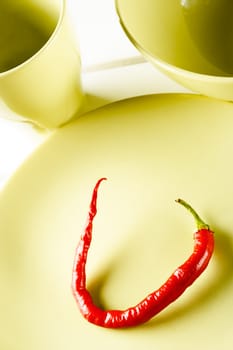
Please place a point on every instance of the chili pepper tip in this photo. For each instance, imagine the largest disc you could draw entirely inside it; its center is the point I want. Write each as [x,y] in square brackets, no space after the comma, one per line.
[99,181]
[102,179]
[199,222]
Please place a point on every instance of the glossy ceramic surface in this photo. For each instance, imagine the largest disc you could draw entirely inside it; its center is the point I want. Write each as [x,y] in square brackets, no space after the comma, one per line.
[152,150]
[166,34]
[40,64]
[211,29]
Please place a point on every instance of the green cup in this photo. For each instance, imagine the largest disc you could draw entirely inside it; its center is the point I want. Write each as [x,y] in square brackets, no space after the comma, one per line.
[175,40]
[39,61]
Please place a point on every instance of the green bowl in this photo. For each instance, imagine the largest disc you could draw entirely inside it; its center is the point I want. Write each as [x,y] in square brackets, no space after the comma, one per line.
[171,38]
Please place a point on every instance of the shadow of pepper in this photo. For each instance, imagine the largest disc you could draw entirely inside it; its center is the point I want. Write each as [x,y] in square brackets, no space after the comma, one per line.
[96,285]
[224,275]
[223,255]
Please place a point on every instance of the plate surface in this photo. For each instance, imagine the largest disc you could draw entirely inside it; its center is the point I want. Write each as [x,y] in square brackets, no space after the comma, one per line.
[152,149]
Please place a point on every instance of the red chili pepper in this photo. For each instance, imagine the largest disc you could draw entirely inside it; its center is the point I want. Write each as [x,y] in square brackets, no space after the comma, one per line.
[156,301]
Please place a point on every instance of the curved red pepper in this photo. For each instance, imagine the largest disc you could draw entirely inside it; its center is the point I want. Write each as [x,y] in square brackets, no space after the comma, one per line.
[156,301]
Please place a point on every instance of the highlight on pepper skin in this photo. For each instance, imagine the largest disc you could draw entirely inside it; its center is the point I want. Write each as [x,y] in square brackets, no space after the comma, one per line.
[153,303]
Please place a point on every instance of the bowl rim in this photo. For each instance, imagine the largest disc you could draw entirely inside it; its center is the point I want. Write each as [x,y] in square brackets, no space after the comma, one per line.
[164,64]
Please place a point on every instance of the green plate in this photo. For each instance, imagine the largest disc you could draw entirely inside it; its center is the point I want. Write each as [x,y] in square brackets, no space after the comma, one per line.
[152,149]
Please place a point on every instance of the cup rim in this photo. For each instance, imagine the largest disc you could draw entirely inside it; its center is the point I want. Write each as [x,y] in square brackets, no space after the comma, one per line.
[62,10]
[164,64]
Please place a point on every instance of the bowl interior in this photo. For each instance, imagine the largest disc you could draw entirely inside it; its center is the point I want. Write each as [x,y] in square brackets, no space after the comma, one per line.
[161,30]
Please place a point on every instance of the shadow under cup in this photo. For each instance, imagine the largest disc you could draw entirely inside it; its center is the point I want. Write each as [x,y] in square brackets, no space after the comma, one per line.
[39,61]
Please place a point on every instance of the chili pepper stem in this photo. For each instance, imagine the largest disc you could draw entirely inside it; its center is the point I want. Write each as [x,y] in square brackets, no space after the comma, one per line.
[199,222]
